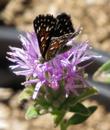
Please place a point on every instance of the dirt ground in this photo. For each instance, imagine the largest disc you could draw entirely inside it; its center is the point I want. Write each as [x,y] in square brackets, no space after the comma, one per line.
[93,16]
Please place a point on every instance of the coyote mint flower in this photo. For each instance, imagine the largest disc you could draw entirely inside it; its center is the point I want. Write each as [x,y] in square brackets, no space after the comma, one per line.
[63,67]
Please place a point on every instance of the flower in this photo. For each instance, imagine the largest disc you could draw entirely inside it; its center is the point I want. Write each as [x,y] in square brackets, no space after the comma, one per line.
[64,67]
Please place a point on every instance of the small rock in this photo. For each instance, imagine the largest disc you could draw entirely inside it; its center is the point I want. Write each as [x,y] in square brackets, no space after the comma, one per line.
[5,93]
[19,125]
[14,101]
[5,111]
[4,125]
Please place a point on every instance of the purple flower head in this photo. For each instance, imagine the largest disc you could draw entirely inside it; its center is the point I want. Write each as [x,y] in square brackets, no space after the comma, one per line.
[63,67]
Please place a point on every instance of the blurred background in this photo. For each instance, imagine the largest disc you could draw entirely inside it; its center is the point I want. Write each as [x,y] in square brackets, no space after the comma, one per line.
[16,16]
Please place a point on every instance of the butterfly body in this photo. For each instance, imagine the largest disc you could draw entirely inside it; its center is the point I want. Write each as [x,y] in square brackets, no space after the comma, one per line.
[53,33]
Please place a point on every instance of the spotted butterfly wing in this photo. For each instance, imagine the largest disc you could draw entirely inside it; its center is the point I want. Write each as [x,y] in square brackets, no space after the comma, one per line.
[44,26]
[63,32]
[63,25]
[58,44]
[53,33]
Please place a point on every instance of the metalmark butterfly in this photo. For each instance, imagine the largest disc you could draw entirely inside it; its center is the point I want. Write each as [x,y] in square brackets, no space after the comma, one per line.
[53,33]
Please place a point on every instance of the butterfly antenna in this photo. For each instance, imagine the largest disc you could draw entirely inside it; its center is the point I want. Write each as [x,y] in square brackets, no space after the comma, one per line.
[78,31]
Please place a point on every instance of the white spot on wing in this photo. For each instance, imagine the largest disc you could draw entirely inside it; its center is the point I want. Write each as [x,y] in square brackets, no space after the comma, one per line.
[35,25]
[66,23]
[52,48]
[38,21]
[50,28]
[47,38]
[47,28]
[39,28]
[44,25]
[60,31]
[42,38]
[48,20]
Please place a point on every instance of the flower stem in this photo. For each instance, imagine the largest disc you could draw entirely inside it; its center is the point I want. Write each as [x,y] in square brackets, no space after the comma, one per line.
[63,125]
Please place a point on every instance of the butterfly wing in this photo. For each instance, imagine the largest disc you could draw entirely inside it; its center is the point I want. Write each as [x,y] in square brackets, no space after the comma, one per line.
[63,33]
[44,26]
[58,44]
[53,33]
[63,25]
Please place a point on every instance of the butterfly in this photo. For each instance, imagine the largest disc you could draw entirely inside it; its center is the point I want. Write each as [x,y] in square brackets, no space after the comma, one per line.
[53,33]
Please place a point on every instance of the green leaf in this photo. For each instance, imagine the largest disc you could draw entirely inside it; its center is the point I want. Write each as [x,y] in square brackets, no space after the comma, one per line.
[92,109]
[79,118]
[83,96]
[73,100]
[31,112]
[103,73]
[86,94]
[79,109]
[26,93]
